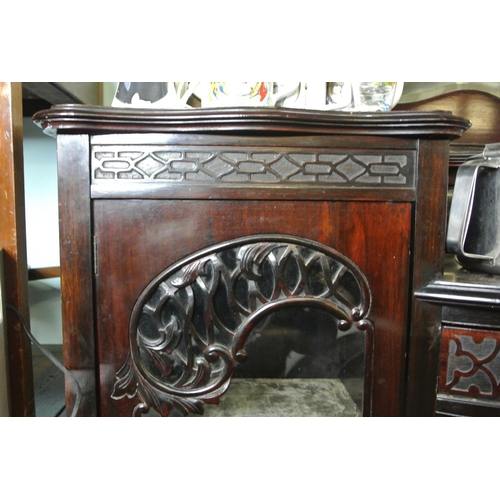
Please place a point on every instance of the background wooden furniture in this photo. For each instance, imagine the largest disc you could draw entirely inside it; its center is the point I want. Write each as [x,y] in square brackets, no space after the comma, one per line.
[469,366]
[137,196]
[41,95]
[481,108]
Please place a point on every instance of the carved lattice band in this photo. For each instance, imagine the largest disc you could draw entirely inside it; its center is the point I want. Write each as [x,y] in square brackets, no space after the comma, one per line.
[195,165]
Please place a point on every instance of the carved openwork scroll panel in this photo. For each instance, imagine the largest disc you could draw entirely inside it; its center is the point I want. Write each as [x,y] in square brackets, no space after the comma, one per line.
[193,324]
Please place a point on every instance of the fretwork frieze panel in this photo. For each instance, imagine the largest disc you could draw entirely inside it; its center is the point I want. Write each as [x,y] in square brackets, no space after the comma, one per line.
[189,327]
[471,363]
[195,165]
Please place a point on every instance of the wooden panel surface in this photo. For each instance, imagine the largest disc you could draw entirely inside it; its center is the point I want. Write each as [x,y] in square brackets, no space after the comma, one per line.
[4,358]
[137,239]
[13,242]
[430,219]
[470,363]
[76,270]
[145,219]
[481,108]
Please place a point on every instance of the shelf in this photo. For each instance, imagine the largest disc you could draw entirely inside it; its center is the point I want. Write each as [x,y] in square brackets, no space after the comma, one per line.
[42,95]
[285,398]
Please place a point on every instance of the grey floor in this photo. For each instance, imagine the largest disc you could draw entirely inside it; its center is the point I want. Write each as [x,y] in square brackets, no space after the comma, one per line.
[46,327]
[48,383]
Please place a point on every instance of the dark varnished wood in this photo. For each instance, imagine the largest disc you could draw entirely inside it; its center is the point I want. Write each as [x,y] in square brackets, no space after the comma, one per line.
[455,407]
[97,120]
[13,242]
[471,308]
[41,273]
[461,287]
[166,231]
[468,372]
[38,96]
[467,344]
[396,235]
[481,109]
[316,147]
[469,300]
[428,256]
[76,266]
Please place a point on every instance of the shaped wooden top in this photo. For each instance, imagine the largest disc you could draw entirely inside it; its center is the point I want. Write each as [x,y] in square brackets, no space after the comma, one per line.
[76,118]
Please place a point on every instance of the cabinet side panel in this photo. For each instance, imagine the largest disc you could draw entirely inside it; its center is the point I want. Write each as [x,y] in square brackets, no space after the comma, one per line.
[429,243]
[76,270]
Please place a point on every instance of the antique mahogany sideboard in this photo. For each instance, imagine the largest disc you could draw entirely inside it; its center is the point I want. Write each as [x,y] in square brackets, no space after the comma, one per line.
[183,233]
[469,362]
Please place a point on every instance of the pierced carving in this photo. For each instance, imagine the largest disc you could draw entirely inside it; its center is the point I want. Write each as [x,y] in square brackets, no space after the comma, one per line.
[189,326]
[157,163]
[472,361]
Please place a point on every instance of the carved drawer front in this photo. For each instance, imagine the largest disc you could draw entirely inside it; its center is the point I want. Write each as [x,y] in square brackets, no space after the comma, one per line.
[470,364]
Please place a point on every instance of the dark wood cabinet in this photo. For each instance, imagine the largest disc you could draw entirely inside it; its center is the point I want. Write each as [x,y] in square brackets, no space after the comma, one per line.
[185,232]
[469,365]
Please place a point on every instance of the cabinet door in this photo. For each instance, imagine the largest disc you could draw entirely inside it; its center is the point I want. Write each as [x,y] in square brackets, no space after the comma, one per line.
[137,240]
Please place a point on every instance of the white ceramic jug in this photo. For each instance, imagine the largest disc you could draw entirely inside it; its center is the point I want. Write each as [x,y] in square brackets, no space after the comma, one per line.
[165,95]
[236,94]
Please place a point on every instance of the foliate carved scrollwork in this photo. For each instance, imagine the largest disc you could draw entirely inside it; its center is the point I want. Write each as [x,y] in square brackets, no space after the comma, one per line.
[194,165]
[189,326]
[472,364]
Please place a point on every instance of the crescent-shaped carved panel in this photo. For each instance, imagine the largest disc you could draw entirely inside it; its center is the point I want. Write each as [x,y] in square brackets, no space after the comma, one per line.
[189,326]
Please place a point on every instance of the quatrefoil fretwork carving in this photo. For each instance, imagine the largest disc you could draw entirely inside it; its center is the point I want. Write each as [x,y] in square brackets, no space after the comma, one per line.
[473,363]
